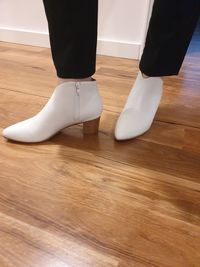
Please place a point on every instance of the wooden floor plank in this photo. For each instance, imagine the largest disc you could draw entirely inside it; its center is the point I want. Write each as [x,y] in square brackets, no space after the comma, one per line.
[33,241]
[78,204]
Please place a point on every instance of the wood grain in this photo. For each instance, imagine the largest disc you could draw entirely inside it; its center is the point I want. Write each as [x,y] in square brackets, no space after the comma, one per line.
[90,201]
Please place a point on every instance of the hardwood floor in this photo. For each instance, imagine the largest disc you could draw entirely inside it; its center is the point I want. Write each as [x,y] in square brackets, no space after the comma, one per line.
[90,201]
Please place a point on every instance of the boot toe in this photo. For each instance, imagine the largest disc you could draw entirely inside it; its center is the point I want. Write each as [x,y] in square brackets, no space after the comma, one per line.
[18,132]
[13,132]
[129,125]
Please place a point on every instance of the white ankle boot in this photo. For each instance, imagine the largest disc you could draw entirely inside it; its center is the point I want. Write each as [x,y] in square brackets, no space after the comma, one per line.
[71,103]
[140,108]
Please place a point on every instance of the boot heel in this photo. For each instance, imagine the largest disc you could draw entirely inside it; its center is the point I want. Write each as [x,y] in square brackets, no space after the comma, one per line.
[91,127]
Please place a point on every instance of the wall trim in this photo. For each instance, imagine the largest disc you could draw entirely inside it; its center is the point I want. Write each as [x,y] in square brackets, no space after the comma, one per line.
[104,47]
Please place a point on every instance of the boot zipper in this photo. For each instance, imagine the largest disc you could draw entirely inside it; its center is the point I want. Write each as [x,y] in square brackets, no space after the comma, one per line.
[77,108]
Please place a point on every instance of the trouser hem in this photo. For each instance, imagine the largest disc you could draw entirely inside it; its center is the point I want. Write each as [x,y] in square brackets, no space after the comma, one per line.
[75,75]
[157,73]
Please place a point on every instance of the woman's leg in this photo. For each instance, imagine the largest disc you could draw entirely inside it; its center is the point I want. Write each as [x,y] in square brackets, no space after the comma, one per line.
[73,38]
[170,30]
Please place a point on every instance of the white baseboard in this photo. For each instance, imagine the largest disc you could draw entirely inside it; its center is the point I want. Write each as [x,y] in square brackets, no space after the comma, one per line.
[118,49]
[24,37]
[104,47]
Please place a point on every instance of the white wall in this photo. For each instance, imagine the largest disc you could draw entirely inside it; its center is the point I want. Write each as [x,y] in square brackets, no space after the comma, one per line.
[121,27]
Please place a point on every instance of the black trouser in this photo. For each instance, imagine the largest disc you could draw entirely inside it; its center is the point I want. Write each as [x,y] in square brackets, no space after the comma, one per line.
[170,31]
[73,36]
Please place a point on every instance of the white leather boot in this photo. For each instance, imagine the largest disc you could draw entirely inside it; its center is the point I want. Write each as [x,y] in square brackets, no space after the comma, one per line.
[71,103]
[140,108]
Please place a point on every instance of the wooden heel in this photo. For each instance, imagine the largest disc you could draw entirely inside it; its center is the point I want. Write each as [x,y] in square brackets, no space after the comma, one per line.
[91,127]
